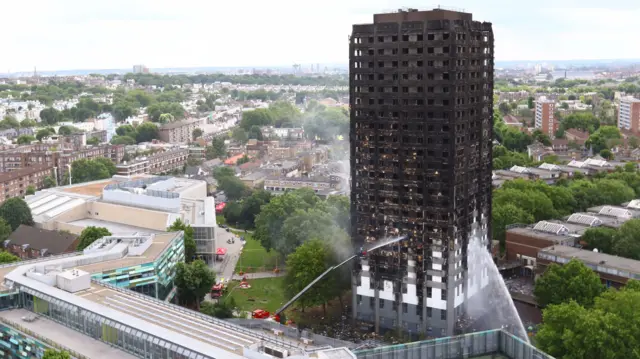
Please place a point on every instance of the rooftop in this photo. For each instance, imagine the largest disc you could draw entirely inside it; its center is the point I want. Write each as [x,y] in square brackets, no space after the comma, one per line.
[9,176]
[594,258]
[54,242]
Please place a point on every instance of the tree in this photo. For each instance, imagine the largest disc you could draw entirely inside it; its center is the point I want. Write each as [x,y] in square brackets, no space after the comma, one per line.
[504,215]
[50,116]
[536,203]
[627,240]
[303,225]
[598,140]
[123,140]
[193,281]
[530,104]
[30,190]
[216,150]
[189,242]
[259,117]
[573,331]
[67,130]
[270,221]
[221,172]
[6,257]
[108,164]
[16,212]
[54,354]
[146,132]
[504,108]
[607,154]
[126,130]
[233,188]
[240,135]
[93,141]
[305,264]
[84,170]
[571,281]
[5,230]
[197,133]
[27,122]
[601,238]
[45,132]
[244,213]
[90,235]
[223,309]
[49,182]
[25,139]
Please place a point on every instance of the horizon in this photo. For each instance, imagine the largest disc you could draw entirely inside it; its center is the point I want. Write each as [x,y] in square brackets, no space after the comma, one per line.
[342,66]
[67,35]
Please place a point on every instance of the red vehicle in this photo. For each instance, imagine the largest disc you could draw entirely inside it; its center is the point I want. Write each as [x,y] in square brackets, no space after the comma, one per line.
[260,314]
[263,314]
[216,290]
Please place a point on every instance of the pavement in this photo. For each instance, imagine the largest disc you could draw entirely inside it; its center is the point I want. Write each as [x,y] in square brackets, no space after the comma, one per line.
[225,268]
[258,275]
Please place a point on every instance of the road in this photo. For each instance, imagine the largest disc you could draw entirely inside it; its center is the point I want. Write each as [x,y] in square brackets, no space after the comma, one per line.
[224,269]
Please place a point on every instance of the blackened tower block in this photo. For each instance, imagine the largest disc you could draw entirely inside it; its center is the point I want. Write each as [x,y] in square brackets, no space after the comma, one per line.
[421,93]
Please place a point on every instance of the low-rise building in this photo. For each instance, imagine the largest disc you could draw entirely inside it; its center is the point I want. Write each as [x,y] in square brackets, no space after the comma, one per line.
[197,153]
[28,242]
[291,133]
[255,179]
[15,183]
[179,131]
[614,271]
[281,184]
[156,163]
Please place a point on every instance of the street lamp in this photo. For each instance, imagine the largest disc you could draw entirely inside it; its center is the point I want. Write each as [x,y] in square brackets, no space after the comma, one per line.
[69,166]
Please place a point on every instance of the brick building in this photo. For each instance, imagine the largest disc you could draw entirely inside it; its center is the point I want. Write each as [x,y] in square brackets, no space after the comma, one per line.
[545,117]
[179,131]
[28,242]
[15,183]
[156,163]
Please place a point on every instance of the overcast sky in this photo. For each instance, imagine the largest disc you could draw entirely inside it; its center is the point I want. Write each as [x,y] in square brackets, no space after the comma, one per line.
[107,34]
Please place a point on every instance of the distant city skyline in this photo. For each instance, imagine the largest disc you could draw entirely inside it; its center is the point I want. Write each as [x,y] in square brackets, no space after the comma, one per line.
[69,34]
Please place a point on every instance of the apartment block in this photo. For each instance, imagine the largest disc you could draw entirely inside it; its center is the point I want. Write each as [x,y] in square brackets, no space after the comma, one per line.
[629,114]
[544,117]
[421,89]
[15,183]
[179,131]
[33,155]
[157,163]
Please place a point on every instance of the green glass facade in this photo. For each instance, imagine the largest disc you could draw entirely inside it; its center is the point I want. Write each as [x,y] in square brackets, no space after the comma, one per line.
[14,344]
[153,278]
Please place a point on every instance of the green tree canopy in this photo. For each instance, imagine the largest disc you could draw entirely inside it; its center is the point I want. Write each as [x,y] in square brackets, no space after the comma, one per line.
[90,235]
[233,188]
[189,241]
[194,281]
[84,170]
[146,132]
[571,281]
[25,139]
[16,212]
[54,354]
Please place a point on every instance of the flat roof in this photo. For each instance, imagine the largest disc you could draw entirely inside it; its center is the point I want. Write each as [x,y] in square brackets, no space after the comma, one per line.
[93,188]
[594,258]
[65,336]
[113,227]
[530,232]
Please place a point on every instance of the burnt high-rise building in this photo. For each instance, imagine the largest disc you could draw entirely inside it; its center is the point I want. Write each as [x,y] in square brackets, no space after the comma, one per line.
[421,92]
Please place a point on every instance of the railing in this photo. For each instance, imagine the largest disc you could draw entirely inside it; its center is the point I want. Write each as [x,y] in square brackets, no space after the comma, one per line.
[279,342]
[26,332]
[41,259]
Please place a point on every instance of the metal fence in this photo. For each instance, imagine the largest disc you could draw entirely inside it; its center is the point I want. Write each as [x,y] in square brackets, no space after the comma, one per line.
[462,346]
[26,332]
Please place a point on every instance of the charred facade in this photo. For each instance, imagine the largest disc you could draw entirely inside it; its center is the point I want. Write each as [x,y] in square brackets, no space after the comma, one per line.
[421,92]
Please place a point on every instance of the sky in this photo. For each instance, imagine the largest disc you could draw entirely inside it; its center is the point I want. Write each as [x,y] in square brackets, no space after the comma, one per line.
[117,34]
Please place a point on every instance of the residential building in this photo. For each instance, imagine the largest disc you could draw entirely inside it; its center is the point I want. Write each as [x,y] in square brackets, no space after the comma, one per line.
[28,242]
[255,179]
[545,117]
[281,184]
[614,271]
[157,163]
[15,183]
[629,114]
[197,153]
[31,155]
[179,131]
[271,132]
[421,87]
[140,69]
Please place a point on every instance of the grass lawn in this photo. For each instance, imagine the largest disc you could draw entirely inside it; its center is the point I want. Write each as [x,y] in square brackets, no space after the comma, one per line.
[265,293]
[220,219]
[254,257]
